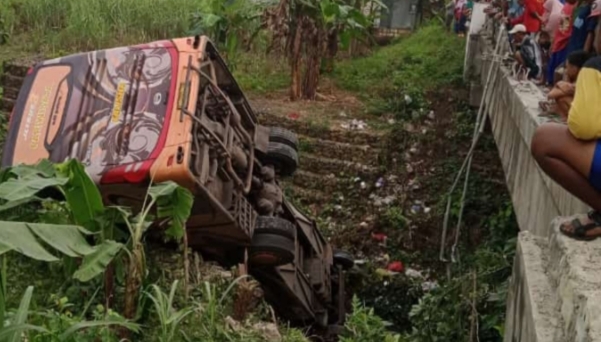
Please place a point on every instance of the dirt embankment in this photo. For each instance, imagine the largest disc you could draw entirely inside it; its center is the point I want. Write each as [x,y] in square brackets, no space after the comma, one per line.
[374,185]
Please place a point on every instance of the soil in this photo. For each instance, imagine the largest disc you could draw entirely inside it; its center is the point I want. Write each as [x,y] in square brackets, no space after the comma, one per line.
[333,107]
[412,164]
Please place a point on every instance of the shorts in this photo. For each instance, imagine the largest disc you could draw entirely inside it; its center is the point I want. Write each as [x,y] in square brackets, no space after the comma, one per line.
[557,59]
[595,174]
[460,24]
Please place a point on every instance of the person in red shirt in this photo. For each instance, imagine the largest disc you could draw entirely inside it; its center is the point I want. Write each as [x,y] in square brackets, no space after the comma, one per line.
[561,37]
[532,17]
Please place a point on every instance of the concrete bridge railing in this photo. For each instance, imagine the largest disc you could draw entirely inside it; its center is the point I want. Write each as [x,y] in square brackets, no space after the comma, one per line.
[555,291]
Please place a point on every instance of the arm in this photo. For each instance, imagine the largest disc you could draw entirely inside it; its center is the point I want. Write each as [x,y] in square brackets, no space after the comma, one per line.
[597,39]
[517,20]
[588,44]
[591,25]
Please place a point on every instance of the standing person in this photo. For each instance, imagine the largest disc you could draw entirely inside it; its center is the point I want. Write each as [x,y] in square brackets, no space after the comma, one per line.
[532,16]
[516,10]
[552,16]
[595,15]
[460,18]
[583,28]
[561,38]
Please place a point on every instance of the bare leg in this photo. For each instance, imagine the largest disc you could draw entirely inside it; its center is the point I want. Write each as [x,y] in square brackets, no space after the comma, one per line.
[518,58]
[563,106]
[567,161]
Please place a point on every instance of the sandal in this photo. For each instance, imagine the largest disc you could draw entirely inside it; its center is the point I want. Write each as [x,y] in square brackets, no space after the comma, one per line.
[552,117]
[545,106]
[580,230]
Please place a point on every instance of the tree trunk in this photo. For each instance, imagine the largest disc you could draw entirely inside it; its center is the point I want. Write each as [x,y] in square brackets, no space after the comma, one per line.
[314,49]
[295,57]
[133,281]
[332,49]
[109,285]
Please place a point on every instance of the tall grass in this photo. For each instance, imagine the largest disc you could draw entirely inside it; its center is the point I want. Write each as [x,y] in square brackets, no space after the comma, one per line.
[83,24]
[394,79]
[427,59]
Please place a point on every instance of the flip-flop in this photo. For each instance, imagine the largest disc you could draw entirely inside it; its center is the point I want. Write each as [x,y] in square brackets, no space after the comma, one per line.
[580,230]
[544,105]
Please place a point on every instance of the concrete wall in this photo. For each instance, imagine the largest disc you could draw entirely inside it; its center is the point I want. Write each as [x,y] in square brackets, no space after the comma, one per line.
[401,14]
[555,288]
[512,107]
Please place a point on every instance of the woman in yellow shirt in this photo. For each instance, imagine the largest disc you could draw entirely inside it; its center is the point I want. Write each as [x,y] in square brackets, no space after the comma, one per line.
[571,155]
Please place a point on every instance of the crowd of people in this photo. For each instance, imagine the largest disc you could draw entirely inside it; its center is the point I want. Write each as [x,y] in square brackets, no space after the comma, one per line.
[557,45]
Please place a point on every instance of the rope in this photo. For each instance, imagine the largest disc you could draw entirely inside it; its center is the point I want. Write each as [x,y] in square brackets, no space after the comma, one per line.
[467,163]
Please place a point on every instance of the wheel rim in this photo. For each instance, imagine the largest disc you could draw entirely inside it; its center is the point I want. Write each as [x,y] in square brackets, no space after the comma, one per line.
[265,258]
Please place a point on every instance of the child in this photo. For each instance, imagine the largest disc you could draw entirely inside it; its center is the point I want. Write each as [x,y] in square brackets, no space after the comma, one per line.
[460,18]
[561,37]
[562,94]
[583,28]
[552,16]
[544,41]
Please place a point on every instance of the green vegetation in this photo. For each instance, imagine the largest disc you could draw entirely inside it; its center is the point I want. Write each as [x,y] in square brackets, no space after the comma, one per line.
[70,294]
[396,79]
[426,60]
[406,80]
[261,74]
[64,213]
[71,25]
[473,300]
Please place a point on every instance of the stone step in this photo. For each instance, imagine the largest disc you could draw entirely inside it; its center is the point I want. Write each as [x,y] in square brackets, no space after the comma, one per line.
[18,69]
[328,166]
[322,130]
[575,272]
[312,181]
[10,93]
[6,105]
[10,81]
[305,196]
[531,306]
[364,154]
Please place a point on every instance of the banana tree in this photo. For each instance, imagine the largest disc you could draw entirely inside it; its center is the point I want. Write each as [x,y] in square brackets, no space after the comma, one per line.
[229,22]
[170,202]
[313,28]
[88,217]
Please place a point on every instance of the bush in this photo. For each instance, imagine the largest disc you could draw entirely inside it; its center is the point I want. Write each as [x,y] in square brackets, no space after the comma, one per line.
[425,60]
[395,78]
[364,326]
[392,299]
